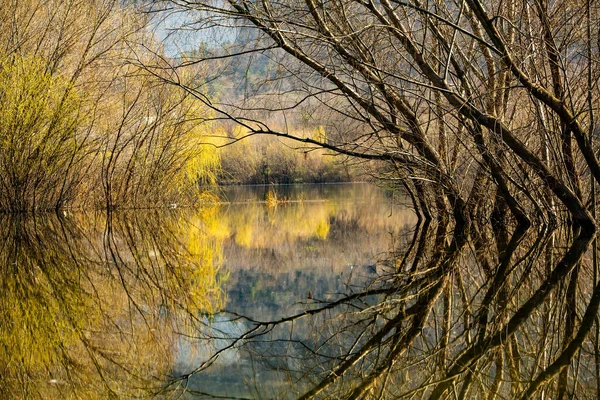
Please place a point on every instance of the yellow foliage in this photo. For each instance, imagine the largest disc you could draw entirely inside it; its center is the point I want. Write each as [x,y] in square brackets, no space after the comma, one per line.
[319,134]
[205,255]
[212,224]
[243,235]
[80,124]
[322,229]
[122,286]
[271,199]
[39,118]
[288,221]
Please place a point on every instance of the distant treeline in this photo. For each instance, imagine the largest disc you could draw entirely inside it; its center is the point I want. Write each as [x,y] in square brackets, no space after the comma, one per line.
[266,160]
[89,120]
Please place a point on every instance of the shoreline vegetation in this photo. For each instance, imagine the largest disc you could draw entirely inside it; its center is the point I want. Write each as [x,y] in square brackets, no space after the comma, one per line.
[484,112]
[265,161]
[84,124]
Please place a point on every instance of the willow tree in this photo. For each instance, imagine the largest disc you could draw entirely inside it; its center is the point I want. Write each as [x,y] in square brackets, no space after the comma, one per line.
[80,125]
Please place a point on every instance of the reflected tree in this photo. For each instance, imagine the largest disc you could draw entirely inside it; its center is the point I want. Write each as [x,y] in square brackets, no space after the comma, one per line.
[439,321]
[93,306]
[484,111]
[455,98]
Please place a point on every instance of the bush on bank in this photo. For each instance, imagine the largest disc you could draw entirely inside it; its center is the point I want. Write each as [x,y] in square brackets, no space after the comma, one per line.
[81,125]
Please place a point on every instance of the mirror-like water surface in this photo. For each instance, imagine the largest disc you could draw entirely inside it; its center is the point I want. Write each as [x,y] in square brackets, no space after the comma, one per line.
[132,303]
[304,292]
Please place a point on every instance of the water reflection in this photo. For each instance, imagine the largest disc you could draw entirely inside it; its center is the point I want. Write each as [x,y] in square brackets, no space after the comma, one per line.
[90,303]
[332,293]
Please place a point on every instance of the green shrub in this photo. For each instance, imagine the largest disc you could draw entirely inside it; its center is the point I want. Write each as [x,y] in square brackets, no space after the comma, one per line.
[39,118]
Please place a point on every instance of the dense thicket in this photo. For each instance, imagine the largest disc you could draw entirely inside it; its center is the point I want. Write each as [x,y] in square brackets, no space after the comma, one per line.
[488,105]
[82,126]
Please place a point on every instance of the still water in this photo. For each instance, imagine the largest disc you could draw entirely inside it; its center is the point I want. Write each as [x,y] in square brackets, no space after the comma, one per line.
[181,302]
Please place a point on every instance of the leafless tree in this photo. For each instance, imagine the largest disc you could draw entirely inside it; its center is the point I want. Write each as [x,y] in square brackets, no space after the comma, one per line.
[485,112]
[463,95]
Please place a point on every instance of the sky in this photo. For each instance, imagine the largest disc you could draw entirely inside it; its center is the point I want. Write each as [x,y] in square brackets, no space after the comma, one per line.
[181,32]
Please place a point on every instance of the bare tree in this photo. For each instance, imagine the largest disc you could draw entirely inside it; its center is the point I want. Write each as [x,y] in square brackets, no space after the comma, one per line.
[464,95]
[485,112]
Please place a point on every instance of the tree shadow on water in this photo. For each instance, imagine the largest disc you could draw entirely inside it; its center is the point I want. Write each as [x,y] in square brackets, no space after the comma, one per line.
[489,313]
[90,302]
[133,306]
